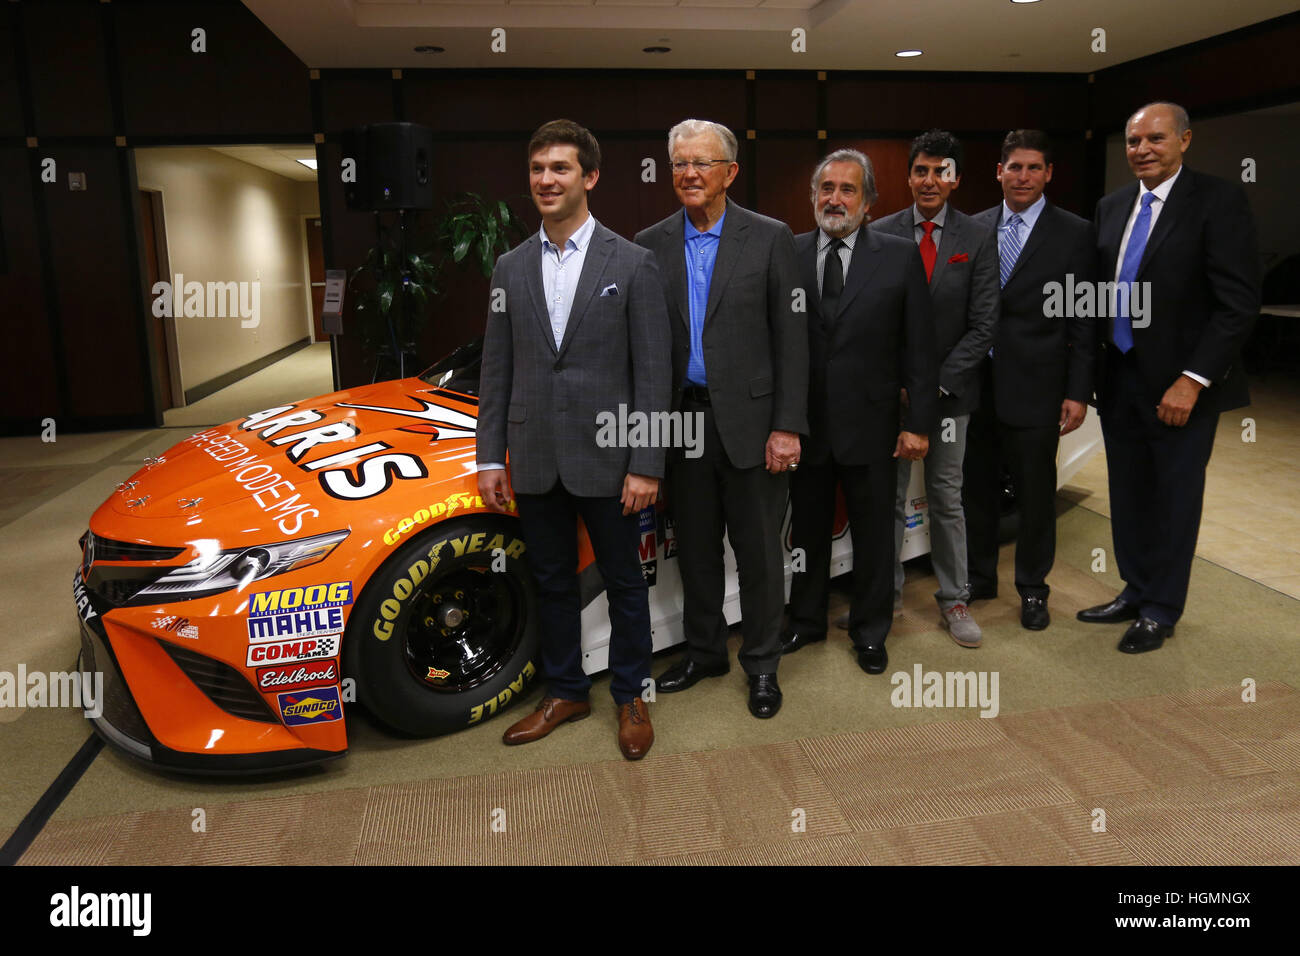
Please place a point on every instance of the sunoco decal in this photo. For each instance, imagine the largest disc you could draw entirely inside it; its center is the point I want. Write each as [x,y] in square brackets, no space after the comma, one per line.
[311,706]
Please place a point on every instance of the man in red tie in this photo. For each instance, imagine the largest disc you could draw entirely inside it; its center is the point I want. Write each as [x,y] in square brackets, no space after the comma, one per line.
[961,264]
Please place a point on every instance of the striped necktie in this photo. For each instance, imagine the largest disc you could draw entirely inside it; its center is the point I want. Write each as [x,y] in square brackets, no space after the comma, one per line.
[1009,247]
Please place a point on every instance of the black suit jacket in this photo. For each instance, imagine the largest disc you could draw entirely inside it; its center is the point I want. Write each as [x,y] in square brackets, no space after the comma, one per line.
[755,335]
[1039,360]
[880,339]
[964,291]
[1202,261]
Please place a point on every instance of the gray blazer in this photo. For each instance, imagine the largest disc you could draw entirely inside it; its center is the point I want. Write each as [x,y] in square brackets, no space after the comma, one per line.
[755,328]
[965,297]
[542,404]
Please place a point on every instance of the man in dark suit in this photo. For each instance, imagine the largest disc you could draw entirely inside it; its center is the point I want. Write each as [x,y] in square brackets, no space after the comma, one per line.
[1037,383]
[740,363]
[869,333]
[576,328]
[1182,249]
[960,257]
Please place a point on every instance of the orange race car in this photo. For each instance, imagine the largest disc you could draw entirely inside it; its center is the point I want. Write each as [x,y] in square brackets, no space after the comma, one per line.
[242,587]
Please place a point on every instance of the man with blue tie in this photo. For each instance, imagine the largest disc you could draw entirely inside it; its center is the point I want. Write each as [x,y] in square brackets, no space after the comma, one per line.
[1037,379]
[1182,248]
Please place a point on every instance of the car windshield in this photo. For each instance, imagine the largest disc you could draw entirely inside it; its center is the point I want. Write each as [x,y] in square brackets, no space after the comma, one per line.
[458,371]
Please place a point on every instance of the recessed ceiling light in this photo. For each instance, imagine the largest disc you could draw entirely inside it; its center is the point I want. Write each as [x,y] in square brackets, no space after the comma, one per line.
[309,163]
[429,48]
[1024,1]
[657,49]
[908,53]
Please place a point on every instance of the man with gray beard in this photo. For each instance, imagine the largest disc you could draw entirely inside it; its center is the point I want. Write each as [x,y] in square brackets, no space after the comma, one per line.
[870,333]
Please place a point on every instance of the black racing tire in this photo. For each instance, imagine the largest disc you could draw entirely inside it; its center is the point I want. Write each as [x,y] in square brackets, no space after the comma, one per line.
[439,640]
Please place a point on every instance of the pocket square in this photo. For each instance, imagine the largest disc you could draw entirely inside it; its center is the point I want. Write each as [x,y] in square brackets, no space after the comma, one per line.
[609,290]
[960,257]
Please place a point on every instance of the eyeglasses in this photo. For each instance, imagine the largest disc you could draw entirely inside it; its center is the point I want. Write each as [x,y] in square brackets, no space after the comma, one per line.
[701,165]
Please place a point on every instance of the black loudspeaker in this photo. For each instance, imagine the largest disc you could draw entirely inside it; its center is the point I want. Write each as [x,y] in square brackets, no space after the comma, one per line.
[392,166]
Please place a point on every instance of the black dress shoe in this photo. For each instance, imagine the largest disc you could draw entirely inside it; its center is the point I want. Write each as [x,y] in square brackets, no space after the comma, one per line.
[873,660]
[982,592]
[687,673]
[794,640]
[1033,613]
[1144,635]
[764,695]
[1112,613]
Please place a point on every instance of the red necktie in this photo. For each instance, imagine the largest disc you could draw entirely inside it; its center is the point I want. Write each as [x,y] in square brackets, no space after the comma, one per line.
[929,251]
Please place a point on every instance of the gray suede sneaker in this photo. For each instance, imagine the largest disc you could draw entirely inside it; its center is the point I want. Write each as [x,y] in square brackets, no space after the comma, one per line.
[957,621]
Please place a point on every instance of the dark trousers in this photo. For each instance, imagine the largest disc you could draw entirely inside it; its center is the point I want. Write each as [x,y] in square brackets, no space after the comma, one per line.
[869,498]
[1157,485]
[708,496]
[550,527]
[1030,455]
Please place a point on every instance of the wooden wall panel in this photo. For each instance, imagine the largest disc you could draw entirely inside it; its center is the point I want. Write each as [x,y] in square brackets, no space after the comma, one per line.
[786,100]
[246,84]
[65,51]
[102,323]
[352,98]
[1256,66]
[28,377]
[784,169]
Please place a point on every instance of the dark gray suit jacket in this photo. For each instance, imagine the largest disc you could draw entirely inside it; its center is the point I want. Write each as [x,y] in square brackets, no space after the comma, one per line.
[1040,360]
[964,291]
[881,338]
[755,333]
[542,404]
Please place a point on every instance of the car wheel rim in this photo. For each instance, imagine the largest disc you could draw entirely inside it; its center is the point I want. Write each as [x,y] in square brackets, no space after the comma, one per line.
[464,628]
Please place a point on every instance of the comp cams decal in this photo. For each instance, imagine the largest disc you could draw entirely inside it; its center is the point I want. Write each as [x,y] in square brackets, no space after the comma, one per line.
[310,707]
[305,649]
[308,611]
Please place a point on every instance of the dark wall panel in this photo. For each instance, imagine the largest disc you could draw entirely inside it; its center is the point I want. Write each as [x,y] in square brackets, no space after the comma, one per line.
[67,58]
[102,325]
[784,169]
[247,83]
[356,97]
[786,100]
[27,372]
[11,109]
[1257,66]
[874,101]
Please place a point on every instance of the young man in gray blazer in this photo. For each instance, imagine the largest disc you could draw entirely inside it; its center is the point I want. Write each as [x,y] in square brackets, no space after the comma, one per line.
[961,263]
[740,361]
[576,328]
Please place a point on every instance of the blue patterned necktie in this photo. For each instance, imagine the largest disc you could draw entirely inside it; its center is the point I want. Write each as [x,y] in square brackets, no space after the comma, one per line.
[1122,328]
[1009,247]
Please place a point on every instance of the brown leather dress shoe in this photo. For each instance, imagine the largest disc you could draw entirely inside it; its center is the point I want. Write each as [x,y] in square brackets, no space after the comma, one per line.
[550,713]
[635,735]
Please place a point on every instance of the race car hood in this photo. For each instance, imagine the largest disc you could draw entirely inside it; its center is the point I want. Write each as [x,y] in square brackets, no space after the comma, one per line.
[282,465]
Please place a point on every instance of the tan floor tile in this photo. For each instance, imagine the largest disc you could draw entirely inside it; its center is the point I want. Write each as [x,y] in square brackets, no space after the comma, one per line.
[1243,821]
[1268,726]
[1036,836]
[520,817]
[706,802]
[1286,583]
[1120,746]
[75,843]
[909,775]
[843,850]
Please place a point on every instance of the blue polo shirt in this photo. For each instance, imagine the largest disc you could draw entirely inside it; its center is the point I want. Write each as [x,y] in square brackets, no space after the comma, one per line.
[701,254]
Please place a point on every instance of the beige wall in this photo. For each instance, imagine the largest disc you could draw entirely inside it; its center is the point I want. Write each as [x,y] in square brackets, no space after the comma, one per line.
[229,221]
